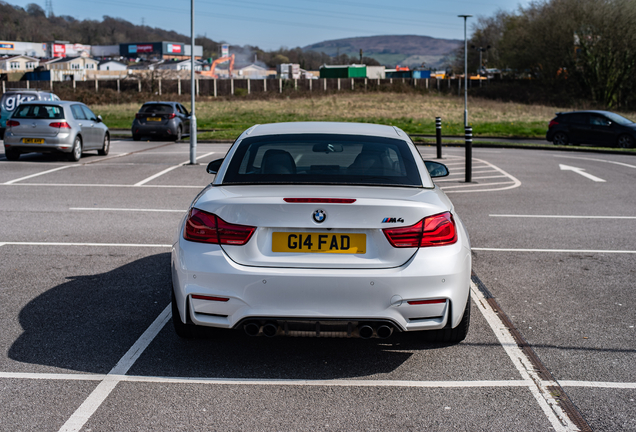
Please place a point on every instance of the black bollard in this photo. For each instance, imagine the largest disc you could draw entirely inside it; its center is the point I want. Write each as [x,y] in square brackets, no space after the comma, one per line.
[469,154]
[438,136]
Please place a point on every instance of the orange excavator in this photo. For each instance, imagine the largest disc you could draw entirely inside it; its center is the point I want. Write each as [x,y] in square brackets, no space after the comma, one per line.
[218,61]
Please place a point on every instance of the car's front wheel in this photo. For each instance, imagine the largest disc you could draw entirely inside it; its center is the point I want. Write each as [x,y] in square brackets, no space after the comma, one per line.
[76,152]
[106,147]
[177,137]
[12,155]
[560,138]
[625,141]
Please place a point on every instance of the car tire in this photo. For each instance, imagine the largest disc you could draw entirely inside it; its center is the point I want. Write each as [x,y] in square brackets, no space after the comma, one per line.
[76,151]
[12,155]
[625,141]
[457,334]
[560,138]
[106,147]
[177,137]
[183,330]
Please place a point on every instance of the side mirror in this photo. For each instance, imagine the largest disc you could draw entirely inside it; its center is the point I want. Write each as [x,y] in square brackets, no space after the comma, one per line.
[213,167]
[99,119]
[436,169]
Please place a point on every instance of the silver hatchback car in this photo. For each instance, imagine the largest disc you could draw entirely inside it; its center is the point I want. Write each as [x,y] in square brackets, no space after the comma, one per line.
[55,126]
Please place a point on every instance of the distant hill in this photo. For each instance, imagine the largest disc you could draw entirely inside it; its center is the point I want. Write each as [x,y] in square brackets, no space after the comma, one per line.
[405,50]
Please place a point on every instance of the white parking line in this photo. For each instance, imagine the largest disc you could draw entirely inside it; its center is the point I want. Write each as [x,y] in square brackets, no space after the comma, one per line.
[85,244]
[38,174]
[167,170]
[594,251]
[101,392]
[562,216]
[596,160]
[58,185]
[474,178]
[478,185]
[598,384]
[125,209]
[539,389]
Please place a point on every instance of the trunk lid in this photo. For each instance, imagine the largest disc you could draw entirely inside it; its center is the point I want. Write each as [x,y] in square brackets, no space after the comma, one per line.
[288,235]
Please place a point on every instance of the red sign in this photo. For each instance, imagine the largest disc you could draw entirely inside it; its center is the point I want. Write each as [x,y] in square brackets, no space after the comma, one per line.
[144,48]
[176,48]
[59,50]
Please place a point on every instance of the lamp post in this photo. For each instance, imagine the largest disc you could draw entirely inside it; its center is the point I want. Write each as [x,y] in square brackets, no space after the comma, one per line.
[465,71]
[193,118]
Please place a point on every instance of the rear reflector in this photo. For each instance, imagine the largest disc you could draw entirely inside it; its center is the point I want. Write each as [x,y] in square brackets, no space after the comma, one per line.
[11,123]
[60,125]
[204,227]
[423,302]
[552,123]
[321,200]
[210,298]
[436,230]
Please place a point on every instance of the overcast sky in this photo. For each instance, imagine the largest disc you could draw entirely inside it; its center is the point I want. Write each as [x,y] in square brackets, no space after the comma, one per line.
[274,23]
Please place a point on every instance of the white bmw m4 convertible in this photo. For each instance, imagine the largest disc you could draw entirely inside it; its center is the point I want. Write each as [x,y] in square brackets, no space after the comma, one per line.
[322,230]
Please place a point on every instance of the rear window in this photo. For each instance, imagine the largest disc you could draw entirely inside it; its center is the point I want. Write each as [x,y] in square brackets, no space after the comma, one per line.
[157,109]
[39,112]
[323,159]
[576,118]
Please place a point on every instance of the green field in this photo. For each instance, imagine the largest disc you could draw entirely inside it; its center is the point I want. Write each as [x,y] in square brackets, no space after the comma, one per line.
[225,119]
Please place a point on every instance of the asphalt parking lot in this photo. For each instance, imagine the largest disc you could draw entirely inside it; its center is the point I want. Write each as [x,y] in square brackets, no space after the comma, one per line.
[87,342]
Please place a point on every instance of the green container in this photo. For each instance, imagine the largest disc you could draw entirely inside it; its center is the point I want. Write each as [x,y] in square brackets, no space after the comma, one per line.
[343,71]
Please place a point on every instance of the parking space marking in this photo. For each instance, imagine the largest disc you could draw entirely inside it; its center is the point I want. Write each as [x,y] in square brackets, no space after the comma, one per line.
[562,216]
[596,160]
[594,251]
[85,244]
[52,376]
[474,178]
[167,170]
[477,185]
[125,209]
[104,388]
[597,384]
[38,174]
[58,185]
[540,388]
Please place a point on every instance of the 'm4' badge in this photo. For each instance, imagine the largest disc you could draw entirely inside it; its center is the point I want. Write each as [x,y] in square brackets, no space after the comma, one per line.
[392,220]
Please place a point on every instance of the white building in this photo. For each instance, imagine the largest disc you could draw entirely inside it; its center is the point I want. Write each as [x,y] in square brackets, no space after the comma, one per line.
[20,63]
[179,65]
[31,49]
[111,65]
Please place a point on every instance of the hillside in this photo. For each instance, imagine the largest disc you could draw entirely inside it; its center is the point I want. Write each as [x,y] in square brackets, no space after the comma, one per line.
[406,50]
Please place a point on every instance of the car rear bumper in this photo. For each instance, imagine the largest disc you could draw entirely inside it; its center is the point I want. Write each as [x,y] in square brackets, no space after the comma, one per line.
[169,129]
[63,142]
[293,294]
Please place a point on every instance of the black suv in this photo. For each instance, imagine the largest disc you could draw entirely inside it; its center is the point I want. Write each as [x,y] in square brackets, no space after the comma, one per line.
[602,128]
[161,119]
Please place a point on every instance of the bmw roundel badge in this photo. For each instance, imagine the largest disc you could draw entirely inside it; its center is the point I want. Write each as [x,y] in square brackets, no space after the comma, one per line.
[319,216]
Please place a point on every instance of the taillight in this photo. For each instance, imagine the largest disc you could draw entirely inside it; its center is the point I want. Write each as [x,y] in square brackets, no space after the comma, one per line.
[425,302]
[204,227]
[60,125]
[436,230]
[552,123]
[171,116]
[11,123]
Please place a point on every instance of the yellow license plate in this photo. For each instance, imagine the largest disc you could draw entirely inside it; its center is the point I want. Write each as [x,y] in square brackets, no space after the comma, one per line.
[32,140]
[153,118]
[321,242]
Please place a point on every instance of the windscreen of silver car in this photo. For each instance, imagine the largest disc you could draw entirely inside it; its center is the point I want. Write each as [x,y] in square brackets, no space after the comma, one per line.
[323,159]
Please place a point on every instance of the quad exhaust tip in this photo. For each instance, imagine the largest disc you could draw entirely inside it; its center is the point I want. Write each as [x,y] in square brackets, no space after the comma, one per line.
[271,329]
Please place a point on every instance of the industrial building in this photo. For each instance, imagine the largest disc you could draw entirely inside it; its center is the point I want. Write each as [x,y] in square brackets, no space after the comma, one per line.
[31,49]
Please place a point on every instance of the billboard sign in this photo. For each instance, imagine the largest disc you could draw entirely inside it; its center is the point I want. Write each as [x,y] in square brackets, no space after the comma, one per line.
[59,50]
[174,48]
[144,48]
[225,50]
[7,46]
